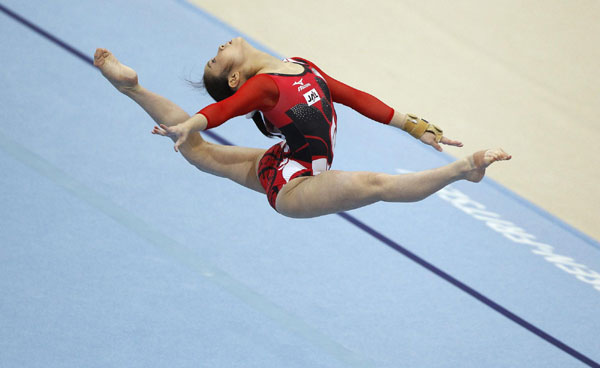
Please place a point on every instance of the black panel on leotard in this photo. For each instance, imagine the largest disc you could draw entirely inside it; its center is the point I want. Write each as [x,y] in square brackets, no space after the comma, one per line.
[314,128]
[325,102]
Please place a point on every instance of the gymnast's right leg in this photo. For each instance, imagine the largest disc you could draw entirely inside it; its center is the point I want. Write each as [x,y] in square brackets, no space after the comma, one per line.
[236,163]
[334,191]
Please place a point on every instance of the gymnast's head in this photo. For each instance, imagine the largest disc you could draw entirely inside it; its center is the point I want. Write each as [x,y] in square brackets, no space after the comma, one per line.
[236,62]
[228,69]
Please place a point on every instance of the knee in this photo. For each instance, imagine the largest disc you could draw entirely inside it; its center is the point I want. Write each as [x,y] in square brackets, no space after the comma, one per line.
[383,186]
[286,205]
[198,153]
[377,184]
[289,202]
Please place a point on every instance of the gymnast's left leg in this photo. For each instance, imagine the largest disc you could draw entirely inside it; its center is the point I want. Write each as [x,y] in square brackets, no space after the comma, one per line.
[235,163]
[335,191]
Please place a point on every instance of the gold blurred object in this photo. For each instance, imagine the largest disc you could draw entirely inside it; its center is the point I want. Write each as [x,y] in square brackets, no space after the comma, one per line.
[416,127]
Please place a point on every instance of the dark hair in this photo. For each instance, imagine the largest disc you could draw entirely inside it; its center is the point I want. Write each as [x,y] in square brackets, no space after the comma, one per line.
[218,88]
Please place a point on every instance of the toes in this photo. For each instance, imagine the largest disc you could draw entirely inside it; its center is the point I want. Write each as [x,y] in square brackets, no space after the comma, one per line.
[100,56]
[502,155]
[96,56]
[499,155]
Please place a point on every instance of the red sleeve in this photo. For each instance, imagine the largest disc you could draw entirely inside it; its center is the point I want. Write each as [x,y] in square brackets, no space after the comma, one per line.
[366,104]
[258,93]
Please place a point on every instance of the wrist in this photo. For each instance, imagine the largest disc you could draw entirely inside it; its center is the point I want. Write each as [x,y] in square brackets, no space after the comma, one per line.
[398,120]
[196,123]
[416,127]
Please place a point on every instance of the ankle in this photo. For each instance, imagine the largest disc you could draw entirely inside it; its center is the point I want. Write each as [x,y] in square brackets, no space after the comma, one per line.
[130,90]
[464,166]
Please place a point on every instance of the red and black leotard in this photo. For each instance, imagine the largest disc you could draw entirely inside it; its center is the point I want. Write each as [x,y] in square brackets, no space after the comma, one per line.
[300,107]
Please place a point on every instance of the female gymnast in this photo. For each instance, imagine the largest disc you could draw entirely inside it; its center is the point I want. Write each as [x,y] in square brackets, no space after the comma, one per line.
[292,99]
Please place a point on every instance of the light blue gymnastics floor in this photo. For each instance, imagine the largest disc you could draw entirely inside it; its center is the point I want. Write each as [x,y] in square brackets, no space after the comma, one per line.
[114,252]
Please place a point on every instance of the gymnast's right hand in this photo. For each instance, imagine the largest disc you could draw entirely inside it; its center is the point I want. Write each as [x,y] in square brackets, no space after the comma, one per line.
[178,133]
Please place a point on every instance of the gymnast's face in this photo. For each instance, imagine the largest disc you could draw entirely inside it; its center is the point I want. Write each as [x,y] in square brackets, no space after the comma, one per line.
[229,58]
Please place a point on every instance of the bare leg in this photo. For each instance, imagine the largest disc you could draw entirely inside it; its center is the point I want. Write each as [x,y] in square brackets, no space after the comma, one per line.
[335,191]
[236,163]
[125,80]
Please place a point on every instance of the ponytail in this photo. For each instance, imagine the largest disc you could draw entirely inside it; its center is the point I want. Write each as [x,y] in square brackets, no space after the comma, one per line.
[261,125]
[218,88]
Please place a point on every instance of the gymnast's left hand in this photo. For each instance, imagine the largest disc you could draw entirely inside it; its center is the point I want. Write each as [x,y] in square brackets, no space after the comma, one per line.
[178,133]
[429,138]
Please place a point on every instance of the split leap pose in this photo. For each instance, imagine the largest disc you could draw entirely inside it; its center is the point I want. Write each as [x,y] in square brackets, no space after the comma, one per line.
[292,99]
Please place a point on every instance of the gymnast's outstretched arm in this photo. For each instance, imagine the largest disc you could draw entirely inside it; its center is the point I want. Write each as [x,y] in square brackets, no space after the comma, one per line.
[373,108]
[236,163]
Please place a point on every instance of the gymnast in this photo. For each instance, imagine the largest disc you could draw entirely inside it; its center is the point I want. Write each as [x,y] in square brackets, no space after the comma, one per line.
[291,99]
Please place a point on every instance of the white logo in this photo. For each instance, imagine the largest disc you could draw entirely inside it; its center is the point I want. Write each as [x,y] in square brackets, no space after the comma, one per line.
[302,85]
[283,163]
[312,97]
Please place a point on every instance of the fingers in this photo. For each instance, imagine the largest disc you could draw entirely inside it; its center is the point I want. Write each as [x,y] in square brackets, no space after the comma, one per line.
[164,130]
[172,132]
[451,142]
[179,142]
[429,138]
[159,131]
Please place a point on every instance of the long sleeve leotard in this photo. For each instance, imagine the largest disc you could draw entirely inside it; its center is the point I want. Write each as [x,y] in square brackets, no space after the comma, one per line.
[301,108]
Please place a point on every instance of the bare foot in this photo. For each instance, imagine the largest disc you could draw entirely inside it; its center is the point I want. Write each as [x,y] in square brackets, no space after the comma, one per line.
[121,76]
[479,161]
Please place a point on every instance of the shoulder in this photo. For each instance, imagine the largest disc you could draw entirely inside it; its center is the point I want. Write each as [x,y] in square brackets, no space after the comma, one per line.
[300,60]
[315,69]
[259,79]
[261,83]
[260,91]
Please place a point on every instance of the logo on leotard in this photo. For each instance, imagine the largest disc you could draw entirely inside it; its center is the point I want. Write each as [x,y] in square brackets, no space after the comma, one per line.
[312,97]
[302,85]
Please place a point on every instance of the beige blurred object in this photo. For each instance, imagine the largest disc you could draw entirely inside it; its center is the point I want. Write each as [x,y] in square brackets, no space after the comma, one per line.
[523,75]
